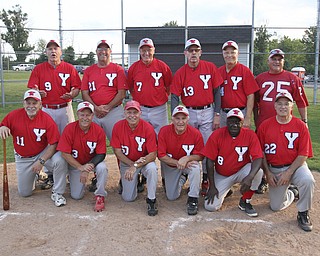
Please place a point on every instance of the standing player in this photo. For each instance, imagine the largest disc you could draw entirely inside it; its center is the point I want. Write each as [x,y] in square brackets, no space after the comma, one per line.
[197,83]
[271,83]
[35,137]
[179,146]
[234,156]
[135,145]
[239,85]
[104,85]
[83,146]
[274,81]
[58,83]
[287,145]
[149,82]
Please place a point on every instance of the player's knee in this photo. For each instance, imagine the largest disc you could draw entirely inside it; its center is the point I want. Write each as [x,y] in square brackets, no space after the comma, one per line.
[25,193]
[128,198]
[211,207]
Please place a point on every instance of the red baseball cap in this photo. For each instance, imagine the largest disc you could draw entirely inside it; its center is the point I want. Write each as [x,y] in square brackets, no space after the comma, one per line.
[52,42]
[132,104]
[103,42]
[236,112]
[85,104]
[230,43]
[32,94]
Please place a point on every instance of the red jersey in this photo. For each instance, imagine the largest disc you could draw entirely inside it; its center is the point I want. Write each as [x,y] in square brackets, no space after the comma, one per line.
[231,154]
[282,143]
[150,84]
[196,85]
[134,144]
[270,85]
[104,83]
[82,146]
[55,81]
[238,84]
[178,145]
[31,136]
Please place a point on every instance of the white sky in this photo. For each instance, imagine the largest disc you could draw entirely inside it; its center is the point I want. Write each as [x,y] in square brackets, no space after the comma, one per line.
[94,14]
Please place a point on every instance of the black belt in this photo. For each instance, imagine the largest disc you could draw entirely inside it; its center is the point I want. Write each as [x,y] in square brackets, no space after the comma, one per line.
[24,156]
[148,106]
[202,107]
[226,110]
[56,106]
[280,166]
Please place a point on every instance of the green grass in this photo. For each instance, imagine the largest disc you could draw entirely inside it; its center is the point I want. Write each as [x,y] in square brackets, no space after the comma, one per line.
[14,93]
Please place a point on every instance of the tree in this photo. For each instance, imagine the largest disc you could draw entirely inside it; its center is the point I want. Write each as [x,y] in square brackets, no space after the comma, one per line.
[261,48]
[17,35]
[172,23]
[69,55]
[308,40]
[41,49]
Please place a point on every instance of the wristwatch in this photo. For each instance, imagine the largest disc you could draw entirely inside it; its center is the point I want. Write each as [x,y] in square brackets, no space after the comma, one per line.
[42,161]
[135,165]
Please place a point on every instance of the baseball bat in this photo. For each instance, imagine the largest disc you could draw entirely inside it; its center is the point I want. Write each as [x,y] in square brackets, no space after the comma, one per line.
[6,202]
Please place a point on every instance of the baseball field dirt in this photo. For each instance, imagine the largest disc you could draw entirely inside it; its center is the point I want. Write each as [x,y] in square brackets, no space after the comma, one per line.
[34,226]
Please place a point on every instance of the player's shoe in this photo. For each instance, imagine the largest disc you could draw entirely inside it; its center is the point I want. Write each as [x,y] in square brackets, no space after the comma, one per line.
[99,207]
[245,205]
[152,207]
[204,187]
[263,187]
[58,199]
[93,185]
[192,205]
[304,221]
[141,181]
[295,191]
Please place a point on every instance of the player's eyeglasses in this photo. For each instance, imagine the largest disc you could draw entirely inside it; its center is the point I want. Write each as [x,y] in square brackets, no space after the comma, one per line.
[194,50]
[102,49]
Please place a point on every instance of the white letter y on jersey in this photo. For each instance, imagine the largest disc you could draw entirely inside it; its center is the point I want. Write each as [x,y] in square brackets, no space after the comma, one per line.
[111,77]
[156,77]
[235,80]
[205,79]
[92,146]
[291,136]
[241,151]
[140,142]
[39,133]
[64,78]
[188,149]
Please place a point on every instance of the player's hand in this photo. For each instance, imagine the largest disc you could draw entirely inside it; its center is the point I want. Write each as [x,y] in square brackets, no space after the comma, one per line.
[245,185]
[284,178]
[182,162]
[130,173]
[212,192]
[37,167]
[216,123]
[4,132]
[43,93]
[100,111]
[192,164]
[271,179]
[84,177]
[141,160]
[247,122]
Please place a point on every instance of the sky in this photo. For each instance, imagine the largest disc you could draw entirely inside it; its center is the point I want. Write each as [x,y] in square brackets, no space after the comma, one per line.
[94,14]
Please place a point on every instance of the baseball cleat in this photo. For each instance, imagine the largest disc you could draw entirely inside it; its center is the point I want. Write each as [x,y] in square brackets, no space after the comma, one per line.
[58,199]
[245,205]
[99,207]
[304,221]
[152,207]
[192,205]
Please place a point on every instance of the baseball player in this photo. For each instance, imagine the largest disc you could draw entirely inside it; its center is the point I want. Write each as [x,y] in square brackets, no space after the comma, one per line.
[274,81]
[104,85]
[83,146]
[149,82]
[35,137]
[197,83]
[234,156]
[58,83]
[271,83]
[287,145]
[239,85]
[179,146]
[134,143]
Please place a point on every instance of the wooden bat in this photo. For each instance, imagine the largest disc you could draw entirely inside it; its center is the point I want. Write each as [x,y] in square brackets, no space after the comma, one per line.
[6,202]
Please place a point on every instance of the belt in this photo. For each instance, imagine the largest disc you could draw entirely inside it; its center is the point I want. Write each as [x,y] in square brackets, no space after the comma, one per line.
[56,106]
[280,166]
[226,110]
[24,156]
[202,107]
[148,106]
